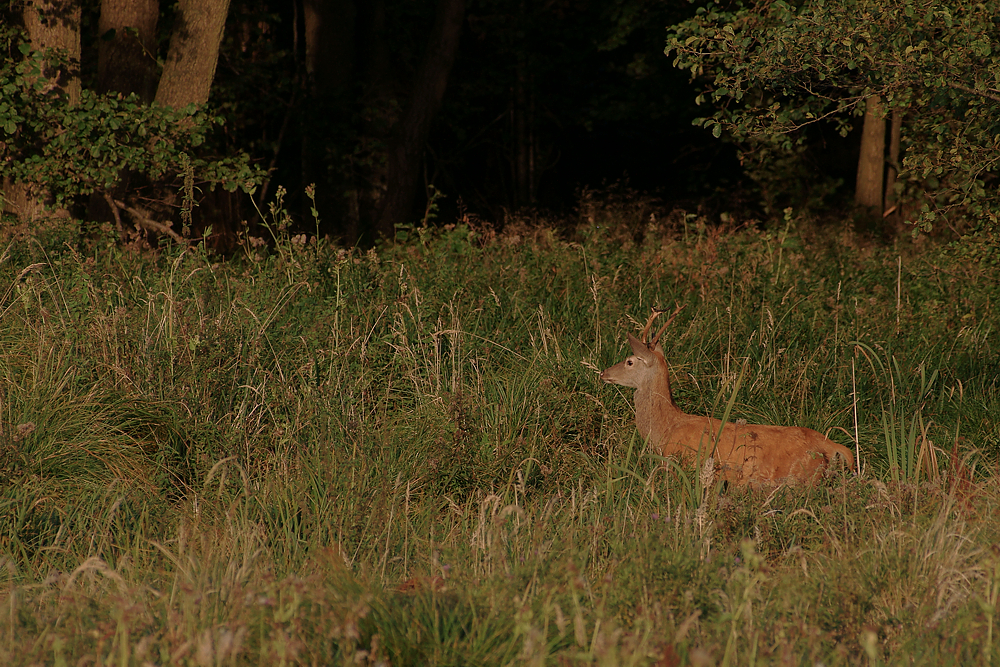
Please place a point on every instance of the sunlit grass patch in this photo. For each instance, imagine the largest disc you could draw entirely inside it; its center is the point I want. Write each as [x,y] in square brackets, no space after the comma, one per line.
[322,455]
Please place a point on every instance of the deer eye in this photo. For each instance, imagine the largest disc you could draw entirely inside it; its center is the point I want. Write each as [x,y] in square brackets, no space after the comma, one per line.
[629,362]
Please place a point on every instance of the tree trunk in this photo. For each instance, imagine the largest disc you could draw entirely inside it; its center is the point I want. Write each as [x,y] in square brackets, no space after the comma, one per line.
[126,63]
[871,163]
[523,120]
[522,145]
[407,145]
[329,32]
[366,186]
[51,24]
[126,55]
[894,140]
[193,54]
[55,24]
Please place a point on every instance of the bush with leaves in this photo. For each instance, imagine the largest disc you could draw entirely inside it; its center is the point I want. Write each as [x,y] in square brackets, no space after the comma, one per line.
[771,68]
[73,150]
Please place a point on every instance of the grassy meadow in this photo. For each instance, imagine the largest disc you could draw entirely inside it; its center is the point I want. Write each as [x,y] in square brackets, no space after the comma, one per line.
[312,455]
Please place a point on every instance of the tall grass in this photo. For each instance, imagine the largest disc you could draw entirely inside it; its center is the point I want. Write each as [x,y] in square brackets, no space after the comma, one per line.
[315,455]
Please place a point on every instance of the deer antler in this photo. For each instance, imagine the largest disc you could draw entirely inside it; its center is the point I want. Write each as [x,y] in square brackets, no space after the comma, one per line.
[649,323]
[656,338]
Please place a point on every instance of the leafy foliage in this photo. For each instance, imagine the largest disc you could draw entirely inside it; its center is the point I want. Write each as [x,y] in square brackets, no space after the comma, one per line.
[73,150]
[773,68]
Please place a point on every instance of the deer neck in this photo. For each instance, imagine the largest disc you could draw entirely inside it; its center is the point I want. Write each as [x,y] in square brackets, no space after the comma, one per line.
[655,409]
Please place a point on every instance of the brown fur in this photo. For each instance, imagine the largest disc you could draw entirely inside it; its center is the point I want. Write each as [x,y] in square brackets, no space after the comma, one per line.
[746,454]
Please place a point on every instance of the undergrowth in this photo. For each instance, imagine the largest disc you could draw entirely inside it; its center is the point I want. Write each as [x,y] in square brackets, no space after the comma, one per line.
[308,454]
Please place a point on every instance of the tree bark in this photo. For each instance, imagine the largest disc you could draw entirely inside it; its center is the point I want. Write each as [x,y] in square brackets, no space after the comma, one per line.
[329,32]
[55,24]
[126,53]
[522,147]
[193,54]
[523,120]
[366,188]
[407,145]
[51,24]
[330,28]
[373,50]
[126,63]
[895,133]
[871,163]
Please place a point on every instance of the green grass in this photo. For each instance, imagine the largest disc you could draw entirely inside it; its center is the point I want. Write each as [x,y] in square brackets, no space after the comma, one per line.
[312,455]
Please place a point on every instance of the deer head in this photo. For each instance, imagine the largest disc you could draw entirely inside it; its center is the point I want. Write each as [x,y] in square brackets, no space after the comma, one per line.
[646,364]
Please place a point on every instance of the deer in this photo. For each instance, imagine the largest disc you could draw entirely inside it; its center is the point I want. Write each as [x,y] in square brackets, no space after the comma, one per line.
[744,453]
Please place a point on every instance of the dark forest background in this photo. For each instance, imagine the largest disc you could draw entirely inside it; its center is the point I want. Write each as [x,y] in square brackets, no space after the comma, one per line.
[401,112]
[544,98]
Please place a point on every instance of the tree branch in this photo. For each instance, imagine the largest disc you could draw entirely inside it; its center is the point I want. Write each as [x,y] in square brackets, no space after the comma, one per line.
[114,211]
[150,224]
[973,91]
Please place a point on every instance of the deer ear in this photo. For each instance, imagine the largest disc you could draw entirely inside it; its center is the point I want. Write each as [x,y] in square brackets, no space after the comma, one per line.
[639,348]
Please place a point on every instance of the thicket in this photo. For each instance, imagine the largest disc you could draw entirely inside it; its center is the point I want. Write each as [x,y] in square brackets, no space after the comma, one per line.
[783,79]
[316,454]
